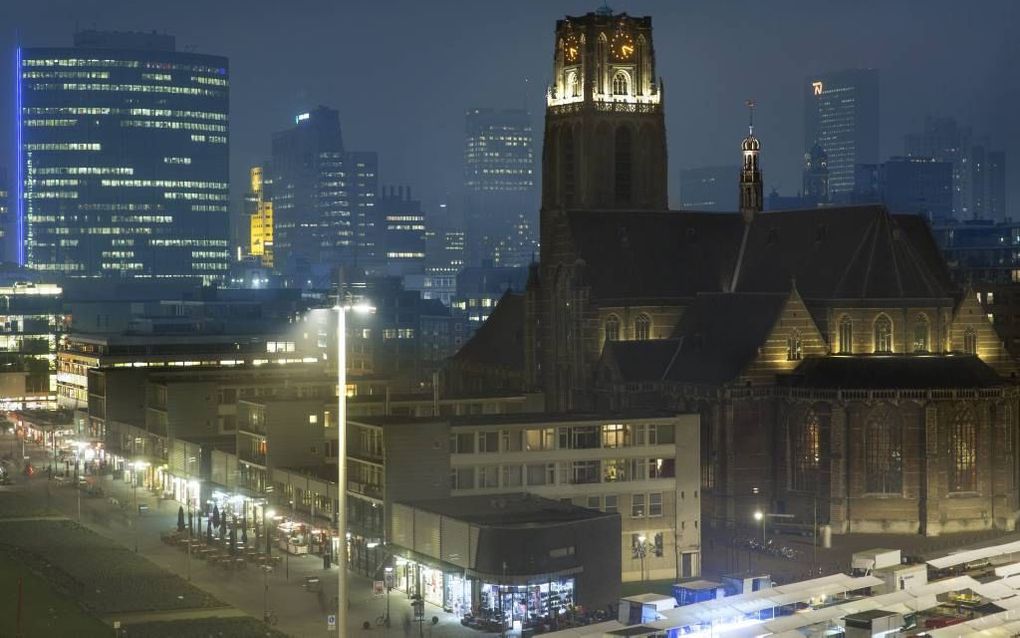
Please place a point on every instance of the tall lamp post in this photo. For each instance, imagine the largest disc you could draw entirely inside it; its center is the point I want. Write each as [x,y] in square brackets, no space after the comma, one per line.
[341,453]
[136,467]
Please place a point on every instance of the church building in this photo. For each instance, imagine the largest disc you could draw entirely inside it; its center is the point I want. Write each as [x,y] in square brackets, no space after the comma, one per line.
[839,373]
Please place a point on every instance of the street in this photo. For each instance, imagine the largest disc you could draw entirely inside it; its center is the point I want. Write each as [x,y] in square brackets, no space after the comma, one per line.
[299,612]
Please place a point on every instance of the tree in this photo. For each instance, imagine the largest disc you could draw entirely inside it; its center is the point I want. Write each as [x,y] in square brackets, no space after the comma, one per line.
[180,518]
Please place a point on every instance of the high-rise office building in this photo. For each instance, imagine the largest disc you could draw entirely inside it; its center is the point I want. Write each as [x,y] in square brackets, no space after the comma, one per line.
[917,185]
[403,236]
[710,188]
[363,189]
[995,185]
[499,176]
[841,116]
[123,158]
[312,215]
[7,250]
[259,209]
[945,140]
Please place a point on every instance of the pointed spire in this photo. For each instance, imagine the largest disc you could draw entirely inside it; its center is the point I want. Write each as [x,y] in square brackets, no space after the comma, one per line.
[750,116]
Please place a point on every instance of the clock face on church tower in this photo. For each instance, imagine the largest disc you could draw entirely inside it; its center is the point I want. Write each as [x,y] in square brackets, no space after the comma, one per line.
[571,48]
[622,46]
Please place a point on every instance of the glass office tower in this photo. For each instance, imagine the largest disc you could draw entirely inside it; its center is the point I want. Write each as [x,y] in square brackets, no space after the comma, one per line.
[123,158]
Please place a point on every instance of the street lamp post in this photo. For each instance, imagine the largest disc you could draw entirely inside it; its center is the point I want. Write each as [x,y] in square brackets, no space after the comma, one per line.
[341,454]
[266,515]
[641,554]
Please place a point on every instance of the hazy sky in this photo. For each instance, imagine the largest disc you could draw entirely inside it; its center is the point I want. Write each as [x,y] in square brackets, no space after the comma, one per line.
[402,72]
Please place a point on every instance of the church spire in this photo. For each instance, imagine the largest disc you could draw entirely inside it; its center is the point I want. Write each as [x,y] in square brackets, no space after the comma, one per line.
[751,186]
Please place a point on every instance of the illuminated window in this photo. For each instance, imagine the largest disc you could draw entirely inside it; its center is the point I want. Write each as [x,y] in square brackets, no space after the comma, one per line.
[793,346]
[970,341]
[846,335]
[921,333]
[612,328]
[806,452]
[621,83]
[963,451]
[642,327]
[883,453]
[883,334]
[573,87]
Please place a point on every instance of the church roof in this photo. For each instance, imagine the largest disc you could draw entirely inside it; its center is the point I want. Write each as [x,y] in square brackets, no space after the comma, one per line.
[853,252]
[499,342]
[718,335]
[893,371]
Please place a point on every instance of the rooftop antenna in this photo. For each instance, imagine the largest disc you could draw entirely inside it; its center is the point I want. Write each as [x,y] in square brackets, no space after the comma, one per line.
[750,116]
[604,10]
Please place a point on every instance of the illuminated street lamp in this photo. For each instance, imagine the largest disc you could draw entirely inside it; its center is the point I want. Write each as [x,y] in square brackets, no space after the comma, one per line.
[341,452]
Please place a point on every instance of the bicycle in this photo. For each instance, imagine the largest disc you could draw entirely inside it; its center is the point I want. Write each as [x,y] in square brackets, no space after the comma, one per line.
[381,621]
[269,618]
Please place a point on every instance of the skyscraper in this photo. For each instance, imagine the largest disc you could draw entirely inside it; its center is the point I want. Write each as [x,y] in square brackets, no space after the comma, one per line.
[499,176]
[944,140]
[7,249]
[123,158]
[918,185]
[313,229]
[362,172]
[259,208]
[403,236]
[841,116]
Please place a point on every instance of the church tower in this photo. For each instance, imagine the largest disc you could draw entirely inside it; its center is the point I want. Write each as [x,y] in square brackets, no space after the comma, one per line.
[605,138]
[751,187]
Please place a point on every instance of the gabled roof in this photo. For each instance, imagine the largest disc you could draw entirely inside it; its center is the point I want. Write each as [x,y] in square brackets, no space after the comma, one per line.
[847,252]
[893,371]
[641,360]
[721,334]
[499,342]
[718,335]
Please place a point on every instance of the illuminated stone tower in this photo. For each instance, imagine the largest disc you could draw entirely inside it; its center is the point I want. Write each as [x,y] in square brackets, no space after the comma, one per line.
[604,150]
[605,140]
[751,198]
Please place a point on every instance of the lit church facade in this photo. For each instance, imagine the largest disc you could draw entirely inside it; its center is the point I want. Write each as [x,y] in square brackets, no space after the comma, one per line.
[835,366]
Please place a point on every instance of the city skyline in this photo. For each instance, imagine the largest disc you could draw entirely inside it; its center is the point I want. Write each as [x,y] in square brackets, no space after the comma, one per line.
[502,62]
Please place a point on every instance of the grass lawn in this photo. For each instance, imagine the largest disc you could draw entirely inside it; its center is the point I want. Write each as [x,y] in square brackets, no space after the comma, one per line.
[18,504]
[45,611]
[201,628]
[633,588]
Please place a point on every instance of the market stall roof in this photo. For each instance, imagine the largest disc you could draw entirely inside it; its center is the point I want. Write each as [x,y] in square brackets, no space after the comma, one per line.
[1005,624]
[971,555]
[711,611]
[903,601]
[1005,571]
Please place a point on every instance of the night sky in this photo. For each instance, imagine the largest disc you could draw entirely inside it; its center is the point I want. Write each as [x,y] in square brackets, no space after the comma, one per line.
[402,73]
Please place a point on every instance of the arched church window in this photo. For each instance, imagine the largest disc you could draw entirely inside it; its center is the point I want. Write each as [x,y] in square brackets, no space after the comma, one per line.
[793,346]
[612,328]
[806,452]
[573,87]
[643,327]
[921,333]
[963,451]
[621,83]
[883,334]
[970,341]
[624,162]
[846,335]
[883,453]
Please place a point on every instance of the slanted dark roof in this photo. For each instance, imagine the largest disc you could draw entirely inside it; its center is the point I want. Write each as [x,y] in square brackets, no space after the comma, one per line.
[500,340]
[655,255]
[893,371]
[721,334]
[847,252]
[718,335]
[642,360]
[837,253]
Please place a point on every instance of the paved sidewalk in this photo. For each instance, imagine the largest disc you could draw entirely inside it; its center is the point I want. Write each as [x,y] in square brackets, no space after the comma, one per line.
[300,613]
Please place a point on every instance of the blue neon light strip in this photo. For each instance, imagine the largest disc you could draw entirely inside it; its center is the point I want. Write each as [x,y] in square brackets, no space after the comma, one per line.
[19,186]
